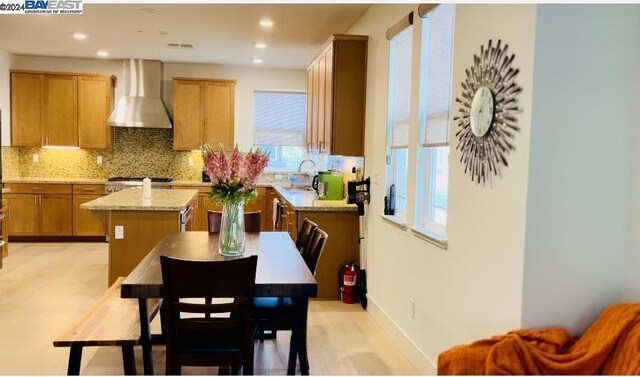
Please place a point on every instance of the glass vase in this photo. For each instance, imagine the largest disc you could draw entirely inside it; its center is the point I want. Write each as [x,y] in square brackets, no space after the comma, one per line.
[231,239]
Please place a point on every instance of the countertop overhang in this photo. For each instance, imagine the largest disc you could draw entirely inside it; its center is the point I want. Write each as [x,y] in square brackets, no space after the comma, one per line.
[131,200]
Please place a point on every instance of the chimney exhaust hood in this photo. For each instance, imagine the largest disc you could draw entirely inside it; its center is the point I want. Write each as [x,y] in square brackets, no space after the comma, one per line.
[141,105]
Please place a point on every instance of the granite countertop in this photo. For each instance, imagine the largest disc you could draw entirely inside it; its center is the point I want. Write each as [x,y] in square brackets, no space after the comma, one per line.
[96,181]
[131,200]
[206,184]
[305,200]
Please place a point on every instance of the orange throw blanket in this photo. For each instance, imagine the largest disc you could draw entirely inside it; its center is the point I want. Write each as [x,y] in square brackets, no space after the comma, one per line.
[610,346]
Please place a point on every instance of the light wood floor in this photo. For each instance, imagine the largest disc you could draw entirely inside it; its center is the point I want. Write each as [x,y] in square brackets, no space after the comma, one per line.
[44,287]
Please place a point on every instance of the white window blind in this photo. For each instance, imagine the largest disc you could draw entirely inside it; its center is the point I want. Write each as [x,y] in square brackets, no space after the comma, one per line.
[400,87]
[280,118]
[439,60]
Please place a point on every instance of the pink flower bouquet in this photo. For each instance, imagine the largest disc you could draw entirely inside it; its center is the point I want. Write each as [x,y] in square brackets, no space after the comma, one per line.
[234,174]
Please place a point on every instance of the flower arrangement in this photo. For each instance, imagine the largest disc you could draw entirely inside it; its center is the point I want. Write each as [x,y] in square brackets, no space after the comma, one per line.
[234,174]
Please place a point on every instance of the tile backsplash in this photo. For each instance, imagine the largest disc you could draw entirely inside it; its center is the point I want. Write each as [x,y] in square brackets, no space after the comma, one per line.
[135,152]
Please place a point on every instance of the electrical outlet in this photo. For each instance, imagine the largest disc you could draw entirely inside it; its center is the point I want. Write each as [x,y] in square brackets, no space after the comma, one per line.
[412,309]
[99,160]
[36,158]
[119,230]
[191,163]
[375,178]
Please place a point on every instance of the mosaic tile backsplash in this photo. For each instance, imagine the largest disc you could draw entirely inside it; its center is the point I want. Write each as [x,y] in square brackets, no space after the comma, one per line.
[135,153]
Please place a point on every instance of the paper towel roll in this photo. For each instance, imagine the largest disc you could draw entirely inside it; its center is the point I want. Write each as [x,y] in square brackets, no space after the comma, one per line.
[146,189]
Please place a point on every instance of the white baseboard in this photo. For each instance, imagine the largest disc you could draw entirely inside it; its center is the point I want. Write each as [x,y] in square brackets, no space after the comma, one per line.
[423,364]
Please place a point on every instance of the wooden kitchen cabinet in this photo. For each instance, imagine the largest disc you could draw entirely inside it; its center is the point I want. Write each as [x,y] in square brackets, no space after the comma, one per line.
[27,109]
[95,103]
[336,96]
[203,112]
[39,209]
[55,215]
[60,109]
[203,204]
[22,214]
[86,223]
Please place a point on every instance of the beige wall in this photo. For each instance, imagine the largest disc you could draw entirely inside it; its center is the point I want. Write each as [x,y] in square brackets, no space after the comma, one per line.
[6,59]
[473,289]
[248,80]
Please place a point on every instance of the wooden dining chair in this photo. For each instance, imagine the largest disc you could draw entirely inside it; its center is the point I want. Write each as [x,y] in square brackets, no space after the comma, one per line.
[276,313]
[212,333]
[304,235]
[252,221]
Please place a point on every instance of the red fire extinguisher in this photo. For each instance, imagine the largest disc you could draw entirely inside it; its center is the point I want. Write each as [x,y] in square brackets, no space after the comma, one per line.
[349,283]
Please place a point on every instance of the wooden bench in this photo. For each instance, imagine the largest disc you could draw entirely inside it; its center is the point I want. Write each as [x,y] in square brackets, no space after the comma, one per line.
[113,321]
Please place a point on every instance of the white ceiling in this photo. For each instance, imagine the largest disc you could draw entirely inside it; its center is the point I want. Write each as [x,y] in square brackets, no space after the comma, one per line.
[220,33]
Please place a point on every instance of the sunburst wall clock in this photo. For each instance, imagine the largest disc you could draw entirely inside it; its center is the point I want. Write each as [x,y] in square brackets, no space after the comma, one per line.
[486,117]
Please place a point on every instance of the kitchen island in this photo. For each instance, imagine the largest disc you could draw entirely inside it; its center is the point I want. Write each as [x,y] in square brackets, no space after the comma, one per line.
[136,225]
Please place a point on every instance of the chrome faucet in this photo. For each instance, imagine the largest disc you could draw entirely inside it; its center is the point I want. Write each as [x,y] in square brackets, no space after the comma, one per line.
[315,169]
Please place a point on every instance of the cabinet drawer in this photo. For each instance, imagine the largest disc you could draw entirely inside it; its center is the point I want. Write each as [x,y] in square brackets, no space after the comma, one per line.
[34,188]
[88,189]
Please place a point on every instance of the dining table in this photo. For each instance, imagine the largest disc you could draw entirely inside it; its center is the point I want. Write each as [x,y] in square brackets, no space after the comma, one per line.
[280,272]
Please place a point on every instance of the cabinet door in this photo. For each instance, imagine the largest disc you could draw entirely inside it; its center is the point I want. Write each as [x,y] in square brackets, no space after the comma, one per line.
[61,110]
[187,114]
[85,223]
[315,107]
[309,128]
[328,101]
[259,205]
[218,114]
[27,109]
[22,215]
[321,103]
[55,215]
[94,107]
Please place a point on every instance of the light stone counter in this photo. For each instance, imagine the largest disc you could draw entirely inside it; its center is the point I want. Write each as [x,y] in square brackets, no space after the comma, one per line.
[96,181]
[305,200]
[131,200]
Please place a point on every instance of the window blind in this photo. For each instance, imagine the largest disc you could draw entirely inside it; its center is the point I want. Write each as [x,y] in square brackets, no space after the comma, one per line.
[439,34]
[400,87]
[280,118]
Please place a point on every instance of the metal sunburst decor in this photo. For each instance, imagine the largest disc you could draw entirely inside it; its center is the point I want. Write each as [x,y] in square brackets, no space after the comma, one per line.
[487,112]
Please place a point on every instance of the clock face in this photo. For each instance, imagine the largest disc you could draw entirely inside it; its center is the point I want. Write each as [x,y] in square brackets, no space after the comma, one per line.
[481,115]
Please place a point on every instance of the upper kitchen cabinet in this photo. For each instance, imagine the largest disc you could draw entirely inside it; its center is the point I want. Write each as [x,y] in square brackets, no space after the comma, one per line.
[336,90]
[95,102]
[27,109]
[203,112]
[60,109]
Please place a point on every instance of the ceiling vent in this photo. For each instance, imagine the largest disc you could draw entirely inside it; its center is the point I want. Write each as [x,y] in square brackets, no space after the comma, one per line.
[180,46]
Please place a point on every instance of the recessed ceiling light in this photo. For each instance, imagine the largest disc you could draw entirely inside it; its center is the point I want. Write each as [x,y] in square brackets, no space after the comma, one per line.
[260,45]
[79,36]
[147,10]
[102,53]
[265,22]
[256,60]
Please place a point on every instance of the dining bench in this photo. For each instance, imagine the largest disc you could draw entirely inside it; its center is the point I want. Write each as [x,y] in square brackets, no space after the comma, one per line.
[113,321]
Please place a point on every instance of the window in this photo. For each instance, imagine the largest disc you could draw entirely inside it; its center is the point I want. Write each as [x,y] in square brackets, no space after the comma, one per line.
[279,127]
[435,103]
[399,108]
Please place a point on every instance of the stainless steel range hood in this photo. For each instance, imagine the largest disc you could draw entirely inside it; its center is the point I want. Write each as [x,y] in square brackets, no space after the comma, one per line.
[141,105]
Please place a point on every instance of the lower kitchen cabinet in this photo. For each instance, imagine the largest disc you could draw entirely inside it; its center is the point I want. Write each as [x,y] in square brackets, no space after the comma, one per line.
[85,223]
[203,204]
[39,214]
[51,210]
[22,214]
[55,217]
